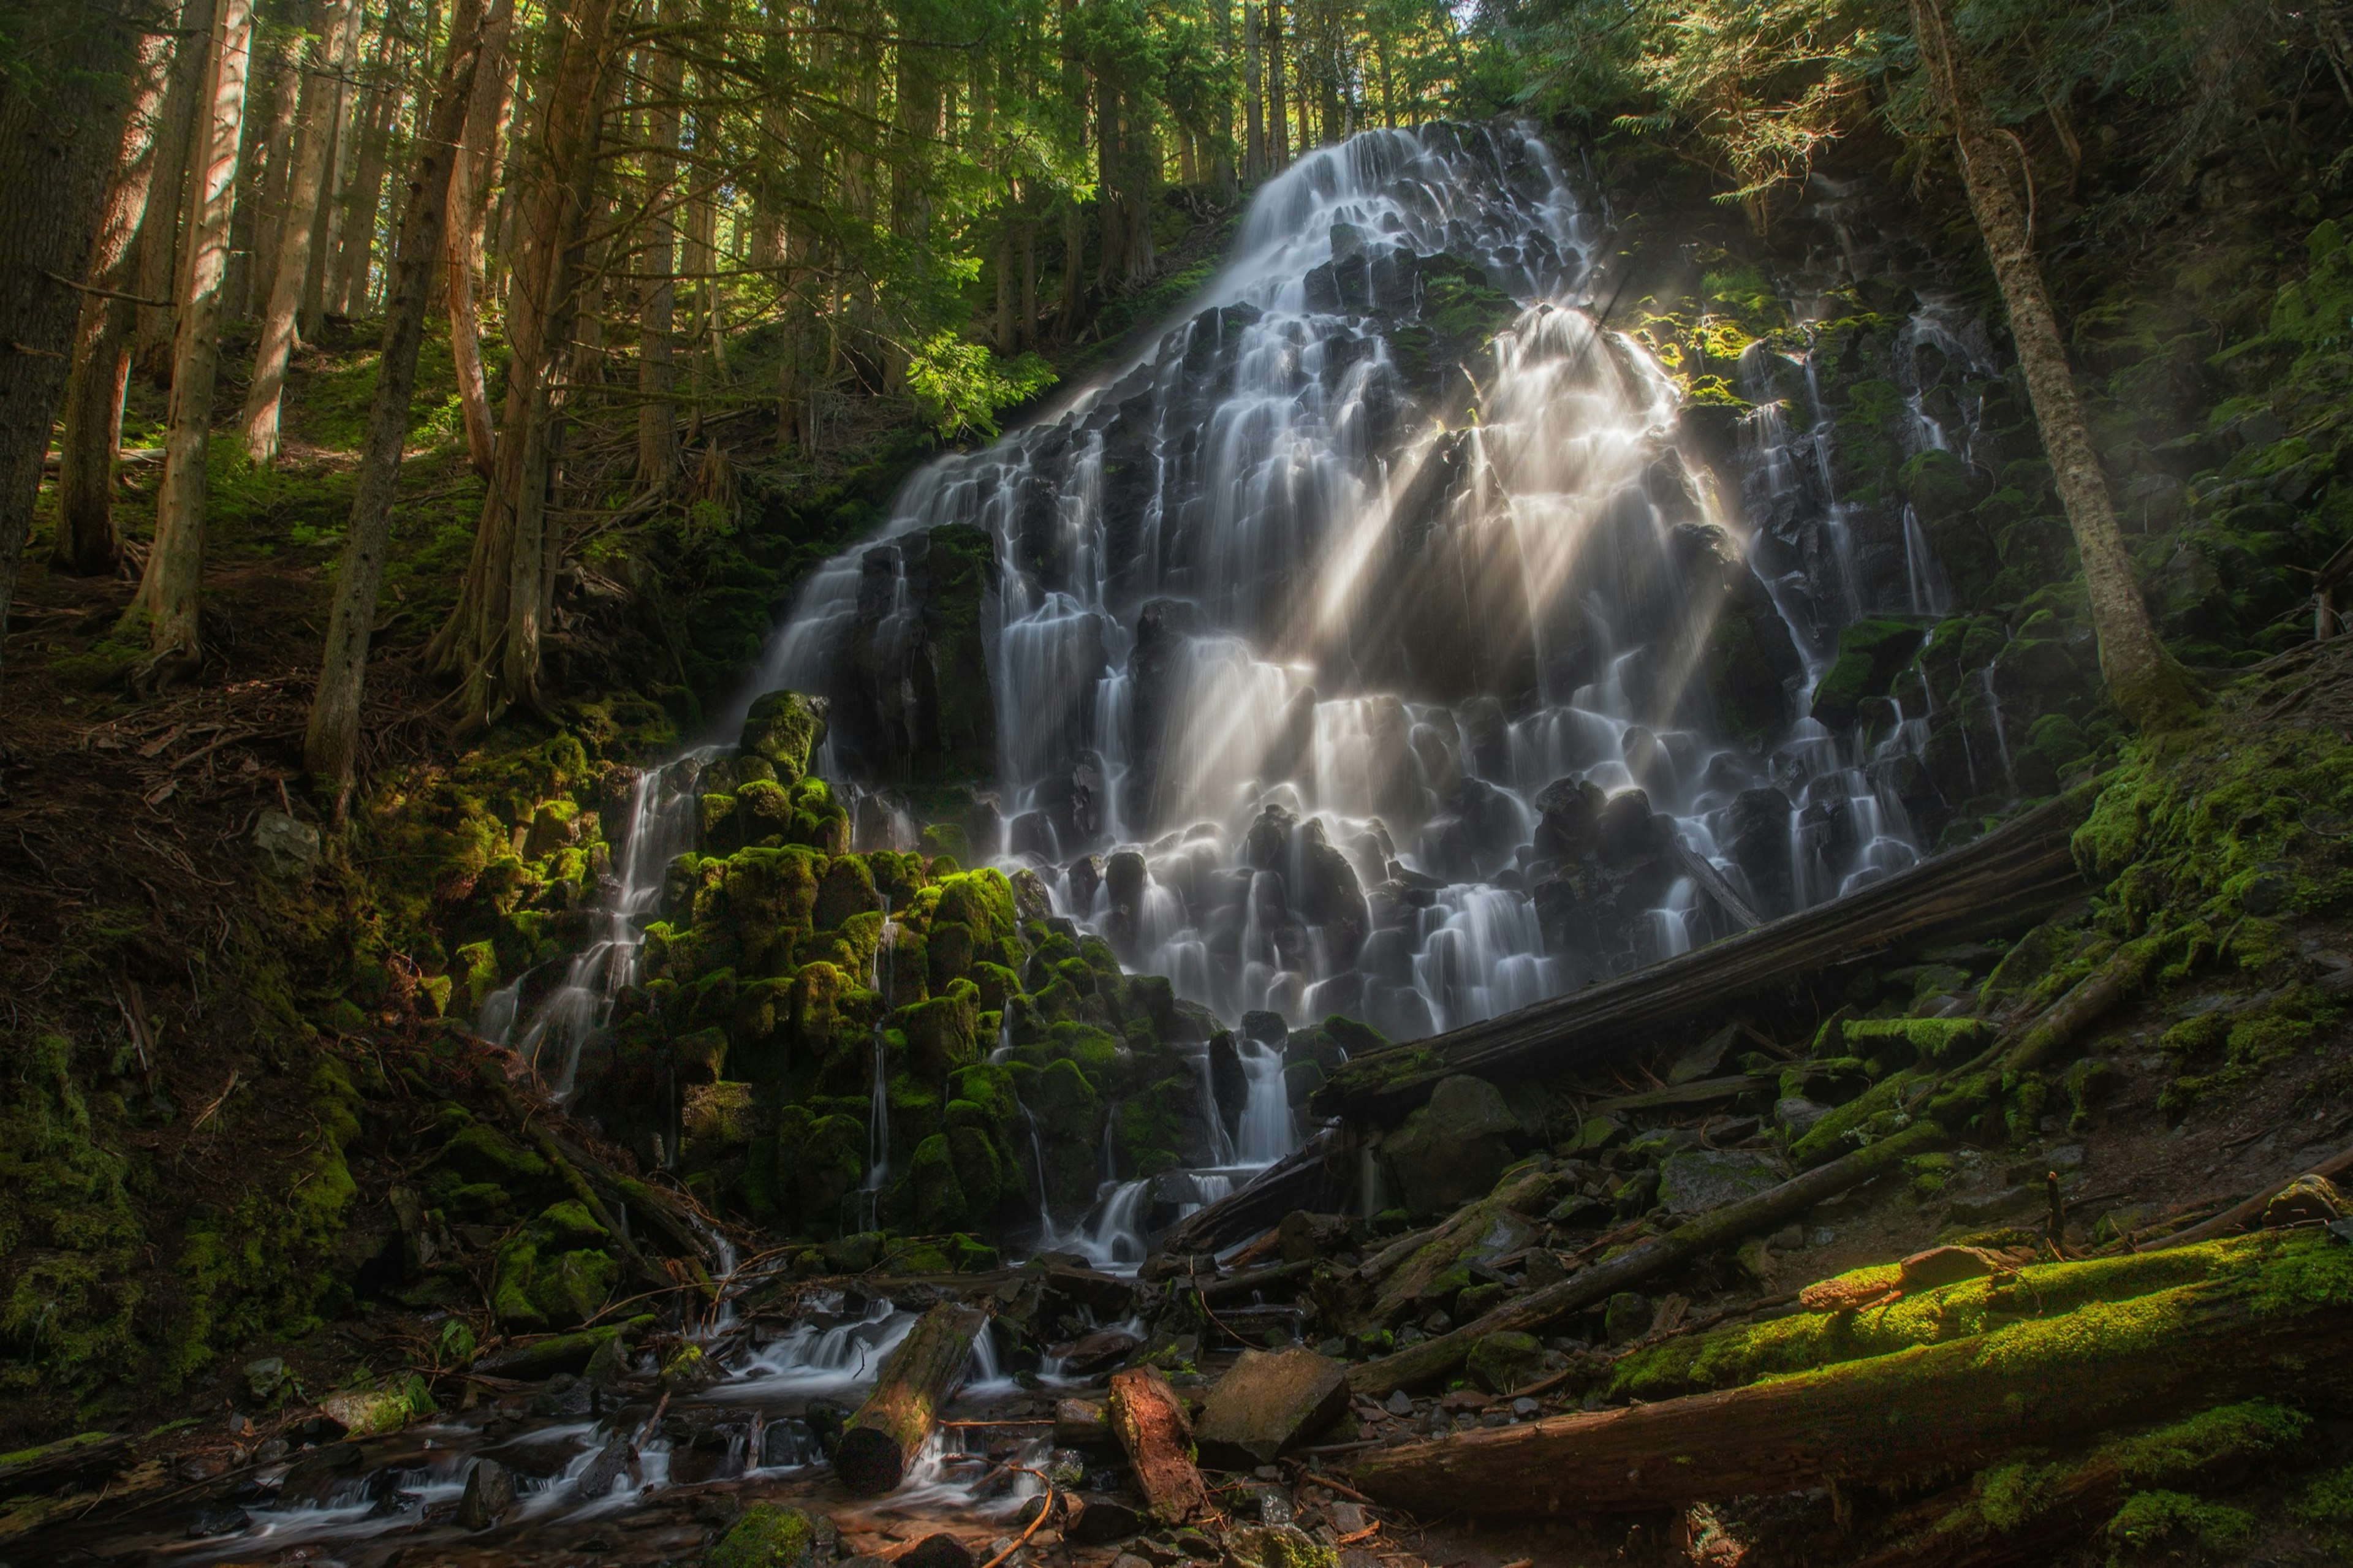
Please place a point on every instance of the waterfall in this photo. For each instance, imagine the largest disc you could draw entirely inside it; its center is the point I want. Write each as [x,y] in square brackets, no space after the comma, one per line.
[878,1112]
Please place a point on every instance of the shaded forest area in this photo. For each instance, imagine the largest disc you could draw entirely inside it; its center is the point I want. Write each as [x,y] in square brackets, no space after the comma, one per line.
[414,417]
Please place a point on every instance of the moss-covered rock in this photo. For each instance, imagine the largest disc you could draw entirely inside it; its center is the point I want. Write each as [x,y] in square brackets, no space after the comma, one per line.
[783,729]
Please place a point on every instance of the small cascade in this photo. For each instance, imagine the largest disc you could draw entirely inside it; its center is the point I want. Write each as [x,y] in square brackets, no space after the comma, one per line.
[878,1112]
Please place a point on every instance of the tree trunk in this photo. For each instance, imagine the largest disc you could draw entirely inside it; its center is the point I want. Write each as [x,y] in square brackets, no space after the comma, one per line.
[469,211]
[314,136]
[1007,332]
[2274,1323]
[1152,1429]
[1253,106]
[159,235]
[1074,268]
[168,593]
[61,128]
[267,192]
[2150,686]
[327,228]
[347,286]
[1029,286]
[1441,1356]
[91,433]
[890,1429]
[332,744]
[1278,106]
[491,641]
[657,376]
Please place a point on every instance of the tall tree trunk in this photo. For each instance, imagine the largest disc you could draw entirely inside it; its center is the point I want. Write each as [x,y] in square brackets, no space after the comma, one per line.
[1029,286]
[1009,334]
[1253,107]
[1110,168]
[347,286]
[268,193]
[468,212]
[327,228]
[1278,106]
[314,133]
[657,375]
[1221,169]
[60,130]
[90,434]
[168,593]
[332,744]
[159,233]
[1075,268]
[2148,685]
[492,642]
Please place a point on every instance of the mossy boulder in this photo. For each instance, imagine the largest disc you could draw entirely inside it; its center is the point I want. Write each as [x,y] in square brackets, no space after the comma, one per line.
[1452,1150]
[766,1536]
[783,728]
[1871,653]
[1501,1363]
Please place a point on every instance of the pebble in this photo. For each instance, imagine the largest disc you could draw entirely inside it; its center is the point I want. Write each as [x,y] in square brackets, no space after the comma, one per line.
[1525,1407]
[1400,1402]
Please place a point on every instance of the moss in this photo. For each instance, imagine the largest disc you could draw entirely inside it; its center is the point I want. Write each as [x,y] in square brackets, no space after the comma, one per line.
[766,1536]
[1927,1039]
[2327,1506]
[2151,1519]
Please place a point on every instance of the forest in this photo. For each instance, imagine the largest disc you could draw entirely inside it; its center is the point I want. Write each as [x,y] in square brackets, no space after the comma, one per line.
[1309,783]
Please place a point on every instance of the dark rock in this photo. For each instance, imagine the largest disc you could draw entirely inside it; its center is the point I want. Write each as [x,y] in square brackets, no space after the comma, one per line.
[1080,1424]
[1699,1179]
[1101,1521]
[219,1518]
[285,848]
[613,1464]
[1500,1363]
[1474,836]
[1627,1317]
[940,1550]
[1625,830]
[490,1492]
[784,729]
[1568,819]
[1453,1149]
[787,1444]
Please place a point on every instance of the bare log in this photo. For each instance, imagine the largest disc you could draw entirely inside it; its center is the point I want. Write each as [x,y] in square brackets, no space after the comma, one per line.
[1436,1358]
[2240,1215]
[1312,1180]
[2271,1318]
[2012,876]
[882,1439]
[1153,1429]
[1712,882]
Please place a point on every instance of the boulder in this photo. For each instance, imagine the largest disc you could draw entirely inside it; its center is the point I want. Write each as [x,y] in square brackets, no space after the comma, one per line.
[940,1551]
[1271,1401]
[1698,1180]
[285,848]
[490,1492]
[768,1536]
[1452,1150]
[1082,1424]
[1871,653]
[1278,1546]
[1101,1521]
[368,1413]
[1501,1363]
[783,729]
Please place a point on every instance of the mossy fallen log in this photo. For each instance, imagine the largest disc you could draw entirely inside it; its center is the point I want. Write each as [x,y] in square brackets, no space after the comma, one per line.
[2030,1509]
[2010,879]
[1439,1357]
[2273,1317]
[888,1431]
[1529,1193]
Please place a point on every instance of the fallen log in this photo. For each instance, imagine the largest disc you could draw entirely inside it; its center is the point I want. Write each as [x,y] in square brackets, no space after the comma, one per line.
[1699,1091]
[884,1437]
[2275,1321]
[1462,1235]
[2010,877]
[1153,1429]
[1712,882]
[1995,1525]
[1440,1356]
[1305,1180]
[2239,1217]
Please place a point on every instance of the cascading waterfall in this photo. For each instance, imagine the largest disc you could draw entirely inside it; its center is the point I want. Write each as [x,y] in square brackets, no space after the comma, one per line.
[878,1113]
[1287,638]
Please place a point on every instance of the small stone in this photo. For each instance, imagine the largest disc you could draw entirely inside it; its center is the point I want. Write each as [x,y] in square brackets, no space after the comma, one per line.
[368,1413]
[1101,1521]
[1627,1317]
[940,1550]
[1130,1560]
[1979,1207]
[1526,1408]
[1699,1179]
[1275,1546]
[1944,1266]
[265,1377]
[1348,1518]
[1400,1403]
[1544,1267]
[285,848]
[604,1472]
[787,1445]
[490,1492]
[1799,1115]
[1503,1362]
[1080,1424]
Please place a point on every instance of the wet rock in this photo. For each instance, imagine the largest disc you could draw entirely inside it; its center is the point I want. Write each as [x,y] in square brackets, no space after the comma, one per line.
[1798,1113]
[768,1536]
[320,1475]
[1452,1150]
[1626,829]
[1755,834]
[1098,1352]
[1275,1546]
[368,1413]
[1474,836]
[1569,813]
[1269,1401]
[1501,1363]
[613,1464]
[264,1378]
[219,1518]
[1627,1317]
[563,1397]
[1228,1084]
[940,1550]
[783,729]
[285,848]
[1080,1424]
[490,1492]
[1101,1521]
[1699,1179]
[788,1444]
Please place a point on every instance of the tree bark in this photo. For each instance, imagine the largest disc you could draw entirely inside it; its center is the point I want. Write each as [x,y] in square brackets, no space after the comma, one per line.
[347,286]
[1152,1429]
[656,374]
[91,432]
[332,744]
[1278,106]
[159,235]
[491,640]
[469,211]
[62,117]
[266,188]
[314,137]
[1253,105]
[1439,1357]
[2151,688]
[888,1430]
[169,592]
[1932,1409]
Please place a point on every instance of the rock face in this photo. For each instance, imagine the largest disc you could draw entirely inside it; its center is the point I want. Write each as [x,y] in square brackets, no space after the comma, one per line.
[1268,1402]
[911,694]
[1453,1149]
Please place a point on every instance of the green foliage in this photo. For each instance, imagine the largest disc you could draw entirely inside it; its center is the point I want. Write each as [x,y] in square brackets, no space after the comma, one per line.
[960,387]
